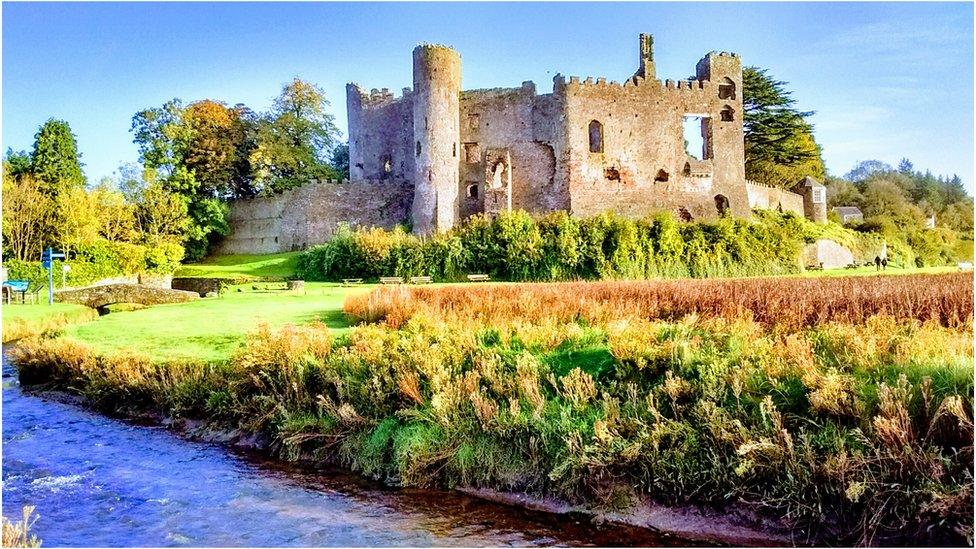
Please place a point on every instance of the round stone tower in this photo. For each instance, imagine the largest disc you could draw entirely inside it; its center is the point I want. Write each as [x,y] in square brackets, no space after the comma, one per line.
[437,132]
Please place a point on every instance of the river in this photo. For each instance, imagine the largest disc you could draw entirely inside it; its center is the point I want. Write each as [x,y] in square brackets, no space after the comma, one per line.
[99,481]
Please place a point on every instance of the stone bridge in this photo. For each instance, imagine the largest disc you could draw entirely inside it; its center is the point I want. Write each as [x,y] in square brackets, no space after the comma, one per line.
[97,297]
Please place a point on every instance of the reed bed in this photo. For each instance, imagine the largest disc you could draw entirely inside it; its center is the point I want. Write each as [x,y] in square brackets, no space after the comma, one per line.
[946,299]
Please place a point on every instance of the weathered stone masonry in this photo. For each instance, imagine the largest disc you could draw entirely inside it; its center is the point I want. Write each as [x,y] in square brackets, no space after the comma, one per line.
[436,154]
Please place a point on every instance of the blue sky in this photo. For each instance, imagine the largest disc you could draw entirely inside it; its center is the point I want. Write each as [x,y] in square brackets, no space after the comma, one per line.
[887,79]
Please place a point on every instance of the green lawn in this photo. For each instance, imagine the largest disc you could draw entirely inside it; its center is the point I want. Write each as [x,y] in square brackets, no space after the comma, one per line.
[279,266]
[39,311]
[212,328]
[33,319]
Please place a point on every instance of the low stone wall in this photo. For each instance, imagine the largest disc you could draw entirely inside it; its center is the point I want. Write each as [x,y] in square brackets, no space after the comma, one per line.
[310,214]
[97,297]
[201,286]
[827,253]
[764,197]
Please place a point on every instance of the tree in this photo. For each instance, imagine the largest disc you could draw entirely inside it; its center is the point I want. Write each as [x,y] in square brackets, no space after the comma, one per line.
[340,160]
[77,222]
[55,158]
[777,135]
[216,137]
[841,192]
[16,164]
[160,213]
[906,167]
[27,216]
[115,216]
[295,139]
[862,170]
[160,136]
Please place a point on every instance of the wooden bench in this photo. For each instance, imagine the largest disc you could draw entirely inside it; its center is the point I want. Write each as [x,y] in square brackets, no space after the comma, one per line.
[391,280]
[420,280]
[351,281]
[478,277]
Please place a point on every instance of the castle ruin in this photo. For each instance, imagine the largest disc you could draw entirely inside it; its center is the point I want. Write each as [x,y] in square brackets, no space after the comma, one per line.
[438,154]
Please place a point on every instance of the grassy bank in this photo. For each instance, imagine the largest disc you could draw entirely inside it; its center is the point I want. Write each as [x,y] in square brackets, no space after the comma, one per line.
[266,266]
[20,321]
[212,329]
[850,429]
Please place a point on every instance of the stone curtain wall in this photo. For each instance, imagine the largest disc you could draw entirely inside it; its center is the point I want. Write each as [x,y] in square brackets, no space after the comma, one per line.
[309,215]
[764,197]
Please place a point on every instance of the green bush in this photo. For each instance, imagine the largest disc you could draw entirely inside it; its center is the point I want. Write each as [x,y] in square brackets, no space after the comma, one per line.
[517,246]
[98,260]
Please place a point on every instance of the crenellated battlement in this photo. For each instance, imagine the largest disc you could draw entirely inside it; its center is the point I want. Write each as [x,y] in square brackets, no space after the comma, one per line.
[378,97]
[357,182]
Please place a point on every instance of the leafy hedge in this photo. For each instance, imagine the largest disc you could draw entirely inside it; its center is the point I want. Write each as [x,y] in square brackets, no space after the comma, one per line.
[101,259]
[516,246]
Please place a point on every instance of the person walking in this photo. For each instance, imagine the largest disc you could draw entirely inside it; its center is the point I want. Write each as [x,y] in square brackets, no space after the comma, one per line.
[884,264]
[877,262]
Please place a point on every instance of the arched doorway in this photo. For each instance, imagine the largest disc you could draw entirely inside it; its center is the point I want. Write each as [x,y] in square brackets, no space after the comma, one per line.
[722,204]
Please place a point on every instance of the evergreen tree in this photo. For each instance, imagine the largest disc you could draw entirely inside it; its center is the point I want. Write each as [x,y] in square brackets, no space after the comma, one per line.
[16,164]
[906,167]
[779,145]
[55,158]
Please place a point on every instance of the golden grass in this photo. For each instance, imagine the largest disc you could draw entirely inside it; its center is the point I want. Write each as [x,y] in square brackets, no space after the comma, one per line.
[946,299]
[17,534]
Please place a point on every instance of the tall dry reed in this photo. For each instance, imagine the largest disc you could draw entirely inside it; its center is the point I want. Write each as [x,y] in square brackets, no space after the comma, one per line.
[946,299]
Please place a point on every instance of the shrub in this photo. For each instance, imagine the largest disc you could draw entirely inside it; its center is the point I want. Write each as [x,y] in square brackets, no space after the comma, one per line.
[516,246]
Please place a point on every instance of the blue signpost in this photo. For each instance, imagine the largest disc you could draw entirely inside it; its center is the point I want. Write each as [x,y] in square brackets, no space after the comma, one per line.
[47,260]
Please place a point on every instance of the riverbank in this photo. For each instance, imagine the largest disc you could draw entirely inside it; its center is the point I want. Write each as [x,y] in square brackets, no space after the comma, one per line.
[101,482]
[30,320]
[604,409]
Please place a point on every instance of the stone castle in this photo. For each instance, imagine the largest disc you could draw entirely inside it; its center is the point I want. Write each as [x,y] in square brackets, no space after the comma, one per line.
[438,154]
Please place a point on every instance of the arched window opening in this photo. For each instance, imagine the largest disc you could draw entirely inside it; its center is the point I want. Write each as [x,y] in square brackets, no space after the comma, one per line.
[596,137]
[387,165]
[722,204]
[684,214]
[418,148]
[687,169]
[454,150]
[661,176]
[728,114]
[726,89]
[472,191]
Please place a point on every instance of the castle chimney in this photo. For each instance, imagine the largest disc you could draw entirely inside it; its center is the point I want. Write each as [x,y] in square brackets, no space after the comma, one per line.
[646,57]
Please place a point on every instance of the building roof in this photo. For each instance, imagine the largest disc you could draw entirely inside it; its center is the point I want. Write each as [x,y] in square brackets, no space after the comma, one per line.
[847,210]
[809,182]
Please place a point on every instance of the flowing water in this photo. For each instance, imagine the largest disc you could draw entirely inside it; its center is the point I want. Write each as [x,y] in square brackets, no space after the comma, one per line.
[98,481]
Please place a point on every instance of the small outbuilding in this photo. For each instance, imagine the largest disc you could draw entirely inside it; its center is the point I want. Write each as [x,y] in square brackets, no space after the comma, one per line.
[848,214]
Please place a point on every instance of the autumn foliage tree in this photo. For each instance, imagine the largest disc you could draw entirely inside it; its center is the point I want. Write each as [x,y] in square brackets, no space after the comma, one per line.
[209,152]
[28,213]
